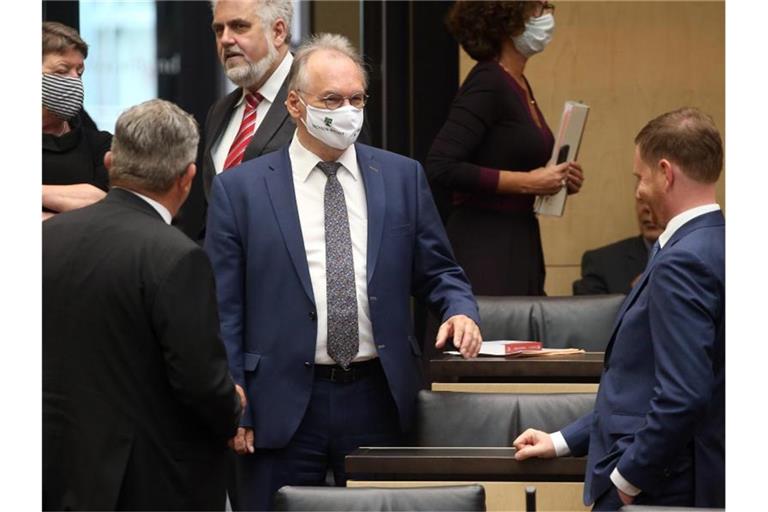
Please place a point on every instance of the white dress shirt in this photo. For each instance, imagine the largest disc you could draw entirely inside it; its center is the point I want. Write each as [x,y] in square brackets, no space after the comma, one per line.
[309,184]
[269,90]
[162,210]
[683,218]
[678,221]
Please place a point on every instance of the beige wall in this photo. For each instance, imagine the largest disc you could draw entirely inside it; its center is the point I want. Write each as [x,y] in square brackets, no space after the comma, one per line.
[338,17]
[629,61]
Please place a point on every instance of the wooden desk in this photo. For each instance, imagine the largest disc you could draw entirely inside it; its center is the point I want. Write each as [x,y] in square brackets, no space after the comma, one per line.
[459,464]
[585,367]
[559,482]
[577,373]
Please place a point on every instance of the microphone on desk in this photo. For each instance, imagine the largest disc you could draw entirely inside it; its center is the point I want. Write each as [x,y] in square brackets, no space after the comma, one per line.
[530,499]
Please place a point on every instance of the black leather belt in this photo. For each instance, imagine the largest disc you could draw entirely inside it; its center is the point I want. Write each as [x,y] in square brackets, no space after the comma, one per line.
[356,371]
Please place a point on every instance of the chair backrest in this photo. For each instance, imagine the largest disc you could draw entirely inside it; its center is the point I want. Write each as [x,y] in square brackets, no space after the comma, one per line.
[492,419]
[583,321]
[459,497]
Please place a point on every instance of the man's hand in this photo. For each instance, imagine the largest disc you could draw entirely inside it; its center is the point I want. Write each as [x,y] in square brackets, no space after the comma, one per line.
[465,333]
[534,443]
[625,498]
[242,443]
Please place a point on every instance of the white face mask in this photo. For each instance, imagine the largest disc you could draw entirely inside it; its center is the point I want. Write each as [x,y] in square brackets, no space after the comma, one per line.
[336,128]
[536,36]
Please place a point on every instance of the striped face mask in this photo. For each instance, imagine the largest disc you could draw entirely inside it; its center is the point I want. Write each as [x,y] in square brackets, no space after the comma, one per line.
[62,95]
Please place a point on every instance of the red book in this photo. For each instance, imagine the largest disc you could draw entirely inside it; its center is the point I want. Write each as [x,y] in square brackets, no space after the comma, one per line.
[508,347]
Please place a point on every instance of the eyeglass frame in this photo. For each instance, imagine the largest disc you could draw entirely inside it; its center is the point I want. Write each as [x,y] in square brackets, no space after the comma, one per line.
[338,97]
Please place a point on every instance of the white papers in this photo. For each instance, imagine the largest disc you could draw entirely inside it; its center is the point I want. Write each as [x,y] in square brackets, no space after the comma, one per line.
[566,148]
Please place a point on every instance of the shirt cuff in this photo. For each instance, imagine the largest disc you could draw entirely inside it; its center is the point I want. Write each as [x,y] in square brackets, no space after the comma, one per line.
[561,447]
[622,484]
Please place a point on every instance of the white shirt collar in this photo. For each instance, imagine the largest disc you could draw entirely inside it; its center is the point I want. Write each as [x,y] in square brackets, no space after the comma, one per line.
[272,86]
[304,161]
[162,210]
[683,218]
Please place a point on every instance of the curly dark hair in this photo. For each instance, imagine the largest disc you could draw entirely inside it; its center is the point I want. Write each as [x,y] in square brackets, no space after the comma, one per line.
[480,27]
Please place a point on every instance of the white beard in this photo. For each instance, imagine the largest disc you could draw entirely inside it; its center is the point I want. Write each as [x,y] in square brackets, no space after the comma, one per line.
[251,73]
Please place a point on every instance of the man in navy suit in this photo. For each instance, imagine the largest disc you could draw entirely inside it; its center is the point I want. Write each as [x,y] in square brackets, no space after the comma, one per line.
[317,249]
[657,433]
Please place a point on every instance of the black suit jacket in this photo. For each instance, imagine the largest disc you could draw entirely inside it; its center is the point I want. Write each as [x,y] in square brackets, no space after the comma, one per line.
[274,131]
[138,400]
[611,269]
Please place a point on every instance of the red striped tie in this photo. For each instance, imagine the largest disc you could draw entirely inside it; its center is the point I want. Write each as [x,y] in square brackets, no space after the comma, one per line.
[245,134]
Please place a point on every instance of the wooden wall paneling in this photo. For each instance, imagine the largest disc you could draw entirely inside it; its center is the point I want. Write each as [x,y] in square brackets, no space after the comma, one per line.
[630,61]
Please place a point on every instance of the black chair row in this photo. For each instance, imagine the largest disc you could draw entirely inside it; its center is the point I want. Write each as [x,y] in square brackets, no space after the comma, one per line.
[559,322]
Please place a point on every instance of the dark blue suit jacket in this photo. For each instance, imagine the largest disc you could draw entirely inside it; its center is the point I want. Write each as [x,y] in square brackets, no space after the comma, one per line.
[266,303]
[660,409]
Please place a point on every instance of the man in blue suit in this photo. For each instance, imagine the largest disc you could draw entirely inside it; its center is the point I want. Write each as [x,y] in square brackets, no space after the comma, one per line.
[657,433]
[317,249]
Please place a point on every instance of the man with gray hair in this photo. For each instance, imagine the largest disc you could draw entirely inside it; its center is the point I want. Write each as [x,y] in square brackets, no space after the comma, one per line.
[138,402]
[317,250]
[253,43]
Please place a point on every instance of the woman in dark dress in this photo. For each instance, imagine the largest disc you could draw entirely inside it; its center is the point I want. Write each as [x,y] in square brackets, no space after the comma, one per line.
[73,150]
[492,152]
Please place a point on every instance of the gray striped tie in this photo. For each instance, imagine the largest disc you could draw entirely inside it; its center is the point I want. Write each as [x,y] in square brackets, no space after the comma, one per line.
[343,339]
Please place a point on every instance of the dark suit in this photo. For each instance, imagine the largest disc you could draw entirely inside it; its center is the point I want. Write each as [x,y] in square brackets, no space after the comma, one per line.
[274,132]
[660,410]
[612,268]
[138,401]
[265,293]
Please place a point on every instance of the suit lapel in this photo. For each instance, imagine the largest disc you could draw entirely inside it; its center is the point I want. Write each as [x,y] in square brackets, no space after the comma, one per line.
[283,197]
[215,125]
[370,168]
[708,219]
[633,293]
[276,116]
[220,118]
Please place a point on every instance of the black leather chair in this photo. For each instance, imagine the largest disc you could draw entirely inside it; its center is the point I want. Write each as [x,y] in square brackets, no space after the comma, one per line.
[493,419]
[458,498]
[559,322]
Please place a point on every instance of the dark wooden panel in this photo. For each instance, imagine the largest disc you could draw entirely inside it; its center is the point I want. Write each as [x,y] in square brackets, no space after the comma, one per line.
[489,464]
[585,367]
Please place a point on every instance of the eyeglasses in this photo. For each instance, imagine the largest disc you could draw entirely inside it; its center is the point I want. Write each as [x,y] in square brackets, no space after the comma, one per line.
[334,101]
[543,8]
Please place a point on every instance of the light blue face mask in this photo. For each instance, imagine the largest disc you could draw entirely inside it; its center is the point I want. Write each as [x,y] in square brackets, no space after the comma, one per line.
[536,36]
